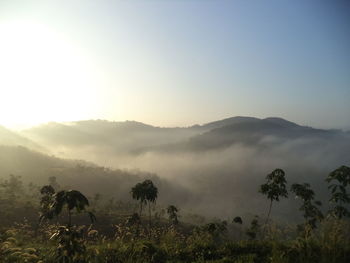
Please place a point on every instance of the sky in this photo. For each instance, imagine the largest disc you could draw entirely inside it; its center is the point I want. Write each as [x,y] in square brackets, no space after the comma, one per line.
[175,63]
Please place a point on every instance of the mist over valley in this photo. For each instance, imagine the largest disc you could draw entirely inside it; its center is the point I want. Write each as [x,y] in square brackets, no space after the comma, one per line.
[213,169]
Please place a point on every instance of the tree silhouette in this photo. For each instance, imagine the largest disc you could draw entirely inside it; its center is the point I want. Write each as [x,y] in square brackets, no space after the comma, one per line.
[52,203]
[151,195]
[237,220]
[146,193]
[71,246]
[13,187]
[218,230]
[46,202]
[312,213]
[72,199]
[132,221]
[254,229]
[340,179]
[138,193]
[172,213]
[274,188]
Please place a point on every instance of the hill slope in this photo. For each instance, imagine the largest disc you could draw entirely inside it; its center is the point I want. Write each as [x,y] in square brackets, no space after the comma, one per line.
[8,137]
[214,168]
[118,138]
[255,131]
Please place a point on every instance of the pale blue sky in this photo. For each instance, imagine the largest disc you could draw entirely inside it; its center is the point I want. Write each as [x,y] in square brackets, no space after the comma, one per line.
[171,63]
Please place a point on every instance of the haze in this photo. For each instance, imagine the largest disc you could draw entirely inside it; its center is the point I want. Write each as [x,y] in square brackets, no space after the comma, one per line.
[174,63]
[184,127]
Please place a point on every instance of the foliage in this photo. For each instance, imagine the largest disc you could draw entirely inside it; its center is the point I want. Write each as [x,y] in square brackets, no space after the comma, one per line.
[274,188]
[46,202]
[238,220]
[254,229]
[218,230]
[340,179]
[71,245]
[312,213]
[52,203]
[172,213]
[144,192]
[122,238]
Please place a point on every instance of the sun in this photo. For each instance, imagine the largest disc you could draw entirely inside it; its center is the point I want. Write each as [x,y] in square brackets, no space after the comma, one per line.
[44,76]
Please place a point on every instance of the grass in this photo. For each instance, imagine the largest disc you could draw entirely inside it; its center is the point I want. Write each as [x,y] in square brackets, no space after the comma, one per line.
[330,243]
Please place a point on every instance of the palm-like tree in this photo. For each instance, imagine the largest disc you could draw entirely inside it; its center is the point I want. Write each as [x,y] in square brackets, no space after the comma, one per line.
[144,192]
[151,196]
[147,193]
[138,193]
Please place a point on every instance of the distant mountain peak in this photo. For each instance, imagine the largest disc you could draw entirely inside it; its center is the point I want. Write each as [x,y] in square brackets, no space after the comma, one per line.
[228,121]
[281,121]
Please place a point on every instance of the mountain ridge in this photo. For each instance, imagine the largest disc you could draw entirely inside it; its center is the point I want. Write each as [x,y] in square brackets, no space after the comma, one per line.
[138,124]
[206,161]
[134,138]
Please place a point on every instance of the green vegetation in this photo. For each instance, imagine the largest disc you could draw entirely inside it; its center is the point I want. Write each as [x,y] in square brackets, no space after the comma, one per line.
[274,188]
[50,224]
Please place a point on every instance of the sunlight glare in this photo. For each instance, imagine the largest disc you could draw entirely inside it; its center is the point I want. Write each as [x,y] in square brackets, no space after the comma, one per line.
[44,77]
